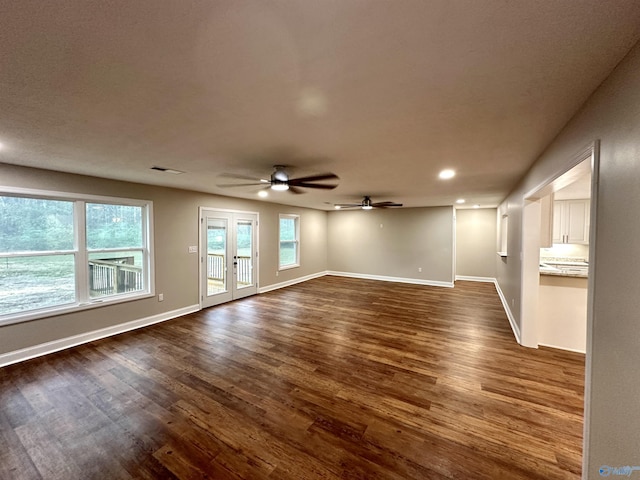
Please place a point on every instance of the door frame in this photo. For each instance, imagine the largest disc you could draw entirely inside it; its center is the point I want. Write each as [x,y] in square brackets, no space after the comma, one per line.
[530,253]
[202,248]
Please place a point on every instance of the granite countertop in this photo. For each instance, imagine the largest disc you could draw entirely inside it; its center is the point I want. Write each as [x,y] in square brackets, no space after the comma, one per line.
[564,267]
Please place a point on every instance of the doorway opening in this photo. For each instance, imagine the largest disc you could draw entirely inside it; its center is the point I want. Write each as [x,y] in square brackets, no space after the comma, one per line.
[229,256]
[546,225]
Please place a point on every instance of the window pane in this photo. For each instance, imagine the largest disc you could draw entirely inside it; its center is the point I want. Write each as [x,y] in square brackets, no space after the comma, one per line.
[287,229]
[244,262]
[243,229]
[35,224]
[111,273]
[30,283]
[288,254]
[216,255]
[113,226]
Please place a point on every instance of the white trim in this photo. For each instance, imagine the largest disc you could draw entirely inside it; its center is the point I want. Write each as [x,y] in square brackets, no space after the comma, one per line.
[296,223]
[59,195]
[583,154]
[507,310]
[576,350]
[276,286]
[75,340]
[416,281]
[476,279]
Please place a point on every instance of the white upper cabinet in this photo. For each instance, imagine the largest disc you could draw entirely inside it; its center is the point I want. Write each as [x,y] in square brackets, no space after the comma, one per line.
[571,221]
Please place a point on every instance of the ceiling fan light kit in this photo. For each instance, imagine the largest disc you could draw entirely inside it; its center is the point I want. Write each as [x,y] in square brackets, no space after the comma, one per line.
[279,186]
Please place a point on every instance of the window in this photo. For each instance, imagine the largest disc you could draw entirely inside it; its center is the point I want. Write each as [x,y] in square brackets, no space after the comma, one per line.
[60,253]
[289,241]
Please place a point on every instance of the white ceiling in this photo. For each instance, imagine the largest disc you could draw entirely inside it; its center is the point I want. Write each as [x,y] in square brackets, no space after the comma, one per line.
[384,94]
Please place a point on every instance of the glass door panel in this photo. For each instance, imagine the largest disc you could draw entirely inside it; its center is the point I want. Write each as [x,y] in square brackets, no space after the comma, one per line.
[216,262]
[244,257]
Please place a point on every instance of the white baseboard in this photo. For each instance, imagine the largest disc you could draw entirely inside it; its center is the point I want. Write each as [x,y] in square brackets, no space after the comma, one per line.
[288,283]
[575,350]
[68,342]
[512,320]
[467,278]
[415,281]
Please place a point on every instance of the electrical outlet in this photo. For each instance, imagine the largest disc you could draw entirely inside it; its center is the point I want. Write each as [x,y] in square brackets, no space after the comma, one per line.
[277,273]
[161,297]
[419,269]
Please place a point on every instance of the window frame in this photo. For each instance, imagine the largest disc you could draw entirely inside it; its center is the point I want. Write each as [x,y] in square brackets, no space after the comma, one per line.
[81,252]
[296,241]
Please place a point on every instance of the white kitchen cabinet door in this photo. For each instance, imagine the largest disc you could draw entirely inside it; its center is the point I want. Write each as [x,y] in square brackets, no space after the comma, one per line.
[571,221]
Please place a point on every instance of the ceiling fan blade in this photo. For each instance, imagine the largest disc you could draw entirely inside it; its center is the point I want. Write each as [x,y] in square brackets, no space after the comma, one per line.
[314,178]
[348,205]
[385,204]
[295,190]
[229,185]
[311,185]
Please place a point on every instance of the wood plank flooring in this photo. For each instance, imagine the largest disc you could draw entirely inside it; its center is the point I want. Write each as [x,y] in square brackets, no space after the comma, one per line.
[334,378]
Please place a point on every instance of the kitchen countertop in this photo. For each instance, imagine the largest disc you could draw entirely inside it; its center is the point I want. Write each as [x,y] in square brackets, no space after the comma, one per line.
[564,267]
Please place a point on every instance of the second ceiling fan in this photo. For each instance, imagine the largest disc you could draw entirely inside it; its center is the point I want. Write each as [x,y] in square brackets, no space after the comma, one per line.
[367,204]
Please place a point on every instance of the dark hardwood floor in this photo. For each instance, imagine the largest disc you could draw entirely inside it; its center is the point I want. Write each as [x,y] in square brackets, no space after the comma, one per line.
[332,378]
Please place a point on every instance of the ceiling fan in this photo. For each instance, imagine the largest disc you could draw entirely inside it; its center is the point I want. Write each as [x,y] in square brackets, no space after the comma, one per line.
[367,204]
[280,181]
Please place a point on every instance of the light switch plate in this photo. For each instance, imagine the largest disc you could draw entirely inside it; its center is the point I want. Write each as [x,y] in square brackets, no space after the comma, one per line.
[193,249]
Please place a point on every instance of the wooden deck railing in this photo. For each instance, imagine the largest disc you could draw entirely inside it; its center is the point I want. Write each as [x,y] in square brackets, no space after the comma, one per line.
[216,268]
[119,275]
[108,277]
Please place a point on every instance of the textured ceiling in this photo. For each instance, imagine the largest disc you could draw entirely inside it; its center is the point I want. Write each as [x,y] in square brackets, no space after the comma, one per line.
[384,94]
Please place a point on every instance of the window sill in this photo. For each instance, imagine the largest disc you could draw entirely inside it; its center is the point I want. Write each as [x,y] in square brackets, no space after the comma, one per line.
[71,308]
[288,267]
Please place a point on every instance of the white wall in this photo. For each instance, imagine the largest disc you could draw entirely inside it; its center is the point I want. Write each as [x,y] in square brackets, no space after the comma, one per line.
[611,115]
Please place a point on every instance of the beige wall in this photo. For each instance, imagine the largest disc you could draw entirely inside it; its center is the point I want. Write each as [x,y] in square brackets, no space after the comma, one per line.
[393,243]
[476,243]
[611,115]
[176,218]
[562,312]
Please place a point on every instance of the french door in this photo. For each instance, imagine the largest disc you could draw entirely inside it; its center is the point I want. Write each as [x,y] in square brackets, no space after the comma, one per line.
[228,256]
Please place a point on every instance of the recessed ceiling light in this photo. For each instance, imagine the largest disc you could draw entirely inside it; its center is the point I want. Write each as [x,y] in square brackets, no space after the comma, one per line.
[337,207]
[263,193]
[476,206]
[460,200]
[447,174]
